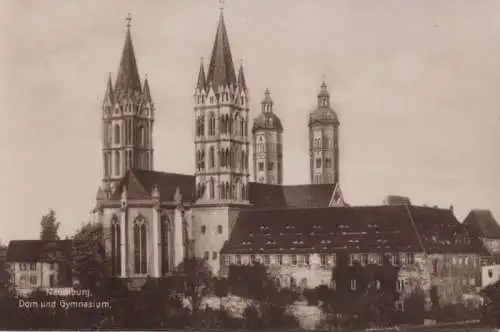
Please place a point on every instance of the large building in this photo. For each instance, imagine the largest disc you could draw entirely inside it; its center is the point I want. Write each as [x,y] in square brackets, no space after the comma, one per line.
[153,220]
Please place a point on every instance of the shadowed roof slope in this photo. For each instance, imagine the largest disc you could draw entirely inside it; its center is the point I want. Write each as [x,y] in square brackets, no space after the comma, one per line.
[441,232]
[482,223]
[31,251]
[395,228]
[140,185]
[128,81]
[349,229]
[221,69]
[299,196]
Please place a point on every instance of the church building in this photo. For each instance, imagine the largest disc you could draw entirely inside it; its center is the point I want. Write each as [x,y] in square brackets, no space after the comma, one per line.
[152,219]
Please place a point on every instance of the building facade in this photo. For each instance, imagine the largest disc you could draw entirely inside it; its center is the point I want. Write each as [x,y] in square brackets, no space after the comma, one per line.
[324,140]
[267,144]
[153,220]
[39,264]
[127,120]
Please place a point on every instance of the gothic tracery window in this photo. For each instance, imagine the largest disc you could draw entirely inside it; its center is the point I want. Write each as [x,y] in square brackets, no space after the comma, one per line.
[140,246]
[115,246]
[117,163]
[212,157]
[212,188]
[117,134]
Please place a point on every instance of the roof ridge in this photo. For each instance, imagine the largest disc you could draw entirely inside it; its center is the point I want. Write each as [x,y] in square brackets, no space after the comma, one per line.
[139,184]
[407,208]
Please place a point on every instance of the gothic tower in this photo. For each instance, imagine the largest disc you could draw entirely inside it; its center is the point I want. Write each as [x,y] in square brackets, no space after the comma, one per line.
[324,141]
[127,120]
[267,145]
[221,141]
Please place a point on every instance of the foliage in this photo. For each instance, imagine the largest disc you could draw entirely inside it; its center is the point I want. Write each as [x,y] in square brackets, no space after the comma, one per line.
[491,308]
[89,262]
[197,281]
[49,227]
[371,303]
[251,281]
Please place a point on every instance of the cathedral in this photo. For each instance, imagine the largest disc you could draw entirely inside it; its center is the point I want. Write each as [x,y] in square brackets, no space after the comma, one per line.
[153,219]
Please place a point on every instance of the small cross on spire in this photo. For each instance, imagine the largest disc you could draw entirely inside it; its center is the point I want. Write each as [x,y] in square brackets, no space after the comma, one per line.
[221,5]
[128,19]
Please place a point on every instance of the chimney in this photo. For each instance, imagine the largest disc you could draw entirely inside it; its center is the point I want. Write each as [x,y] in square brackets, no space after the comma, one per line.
[451,208]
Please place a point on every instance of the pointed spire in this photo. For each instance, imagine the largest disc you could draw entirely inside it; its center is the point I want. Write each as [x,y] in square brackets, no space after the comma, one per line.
[146,92]
[241,77]
[128,80]
[221,69]
[201,84]
[109,89]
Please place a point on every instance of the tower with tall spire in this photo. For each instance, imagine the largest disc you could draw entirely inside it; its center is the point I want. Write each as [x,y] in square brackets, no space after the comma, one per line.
[127,119]
[324,140]
[221,139]
[267,144]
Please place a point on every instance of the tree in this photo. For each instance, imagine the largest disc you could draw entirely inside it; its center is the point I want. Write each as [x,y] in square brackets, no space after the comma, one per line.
[491,308]
[49,227]
[363,294]
[89,262]
[197,281]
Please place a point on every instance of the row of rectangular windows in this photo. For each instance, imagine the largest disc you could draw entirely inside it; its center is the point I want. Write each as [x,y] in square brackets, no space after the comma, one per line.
[32,266]
[372,258]
[325,259]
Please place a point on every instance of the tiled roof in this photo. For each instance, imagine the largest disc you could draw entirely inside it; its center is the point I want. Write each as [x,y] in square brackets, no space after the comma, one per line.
[268,121]
[140,185]
[128,81]
[343,229]
[221,69]
[298,196]
[30,251]
[440,231]
[482,223]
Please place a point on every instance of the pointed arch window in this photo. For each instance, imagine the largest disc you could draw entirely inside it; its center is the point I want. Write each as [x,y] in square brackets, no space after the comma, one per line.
[212,188]
[115,246]
[106,164]
[227,192]
[140,246]
[117,134]
[211,157]
[117,163]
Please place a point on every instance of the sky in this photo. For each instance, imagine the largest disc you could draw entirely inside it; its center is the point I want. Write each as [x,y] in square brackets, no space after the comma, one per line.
[415,83]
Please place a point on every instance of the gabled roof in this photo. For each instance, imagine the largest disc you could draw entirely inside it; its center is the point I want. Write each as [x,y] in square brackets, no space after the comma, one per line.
[298,196]
[482,223]
[349,229]
[345,229]
[140,184]
[221,69]
[31,251]
[440,231]
[128,81]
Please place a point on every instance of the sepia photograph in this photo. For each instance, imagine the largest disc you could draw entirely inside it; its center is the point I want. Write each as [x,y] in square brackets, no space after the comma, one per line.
[323,165]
